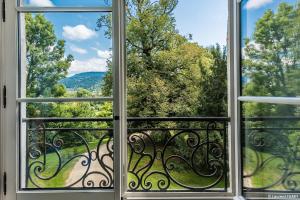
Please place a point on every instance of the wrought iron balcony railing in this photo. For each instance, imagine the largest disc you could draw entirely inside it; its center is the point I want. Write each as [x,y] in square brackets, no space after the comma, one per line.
[164,154]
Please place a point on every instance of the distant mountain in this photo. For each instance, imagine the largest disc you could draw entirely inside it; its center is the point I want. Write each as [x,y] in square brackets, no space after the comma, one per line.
[86,80]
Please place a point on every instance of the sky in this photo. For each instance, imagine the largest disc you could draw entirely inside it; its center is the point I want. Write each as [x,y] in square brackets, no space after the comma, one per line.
[206,20]
[252,10]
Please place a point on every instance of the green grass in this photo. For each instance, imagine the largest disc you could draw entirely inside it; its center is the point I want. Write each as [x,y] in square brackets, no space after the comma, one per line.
[52,164]
[267,175]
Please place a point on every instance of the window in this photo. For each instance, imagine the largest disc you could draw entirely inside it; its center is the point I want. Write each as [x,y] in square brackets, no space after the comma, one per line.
[127,99]
[68,144]
[65,133]
[270,78]
[177,96]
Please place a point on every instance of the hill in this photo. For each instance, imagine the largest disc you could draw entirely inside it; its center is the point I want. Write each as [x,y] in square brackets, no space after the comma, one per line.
[86,80]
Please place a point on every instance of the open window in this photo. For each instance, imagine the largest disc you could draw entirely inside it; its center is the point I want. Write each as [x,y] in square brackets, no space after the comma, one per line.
[177,102]
[270,98]
[135,99]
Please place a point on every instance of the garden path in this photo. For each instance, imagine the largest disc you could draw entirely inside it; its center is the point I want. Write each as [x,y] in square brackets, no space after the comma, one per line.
[79,170]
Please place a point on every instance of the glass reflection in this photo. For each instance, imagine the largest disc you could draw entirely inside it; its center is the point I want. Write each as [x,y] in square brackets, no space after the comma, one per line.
[270,48]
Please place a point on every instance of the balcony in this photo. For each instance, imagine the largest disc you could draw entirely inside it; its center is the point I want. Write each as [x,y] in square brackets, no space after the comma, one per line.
[74,73]
[164,154]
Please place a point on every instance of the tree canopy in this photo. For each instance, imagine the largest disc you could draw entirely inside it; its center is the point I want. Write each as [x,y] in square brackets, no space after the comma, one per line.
[46,64]
[271,61]
[167,73]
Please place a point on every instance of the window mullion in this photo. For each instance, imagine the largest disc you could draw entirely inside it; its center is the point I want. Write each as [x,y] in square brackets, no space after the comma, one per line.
[236,118]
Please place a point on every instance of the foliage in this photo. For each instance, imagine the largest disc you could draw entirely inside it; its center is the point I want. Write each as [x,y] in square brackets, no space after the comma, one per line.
[271,60]
[46,67]
[271,67]
[214,96]
[167,74]
[46,63]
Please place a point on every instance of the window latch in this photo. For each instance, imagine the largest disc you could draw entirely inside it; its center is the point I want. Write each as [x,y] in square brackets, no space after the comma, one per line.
[4,183]
[4,96]
[116,117]
[3,11]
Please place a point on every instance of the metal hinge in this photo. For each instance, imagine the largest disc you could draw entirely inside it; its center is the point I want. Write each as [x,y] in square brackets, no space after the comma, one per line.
[4,183]
[3,11]
[4,97]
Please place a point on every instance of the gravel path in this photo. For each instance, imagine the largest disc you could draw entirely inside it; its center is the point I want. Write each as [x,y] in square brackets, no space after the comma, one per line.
[248,182]
[79,170]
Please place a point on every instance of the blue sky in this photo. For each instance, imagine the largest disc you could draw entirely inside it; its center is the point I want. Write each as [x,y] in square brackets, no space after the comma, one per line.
[252,10]
[206,20]
[89,46]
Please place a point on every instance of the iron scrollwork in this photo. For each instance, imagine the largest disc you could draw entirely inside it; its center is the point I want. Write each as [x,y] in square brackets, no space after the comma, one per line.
[192,158]
[188,159]
[48,156]
[270,150]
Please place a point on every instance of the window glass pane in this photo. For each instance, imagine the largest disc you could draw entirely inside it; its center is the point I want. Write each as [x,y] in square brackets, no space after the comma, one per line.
[270,48]
[64,54]
[65,145]
[65,3]
[271,135]
[177,67]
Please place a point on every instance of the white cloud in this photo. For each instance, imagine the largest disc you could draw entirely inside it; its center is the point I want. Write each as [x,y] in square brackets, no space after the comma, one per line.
[252,45]
[255,4]
[79,32]
[78,49]
[89,65]
[104,54]
[41,3]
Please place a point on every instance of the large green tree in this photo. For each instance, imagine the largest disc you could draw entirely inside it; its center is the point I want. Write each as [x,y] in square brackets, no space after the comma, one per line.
[46,62]
[213,98]
[271,67]
[165,69]
[271,64]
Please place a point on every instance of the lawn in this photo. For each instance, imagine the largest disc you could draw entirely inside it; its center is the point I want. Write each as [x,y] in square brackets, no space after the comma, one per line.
[269,173]
[52,163]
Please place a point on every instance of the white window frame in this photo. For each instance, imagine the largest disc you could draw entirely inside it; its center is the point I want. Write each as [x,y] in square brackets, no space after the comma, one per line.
[258,99]
[120,189]
[9,140]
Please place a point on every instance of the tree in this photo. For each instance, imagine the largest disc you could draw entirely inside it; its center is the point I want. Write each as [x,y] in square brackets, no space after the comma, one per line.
[214,95]
[164,68]
[271,67]
[46,64]
[271,61]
